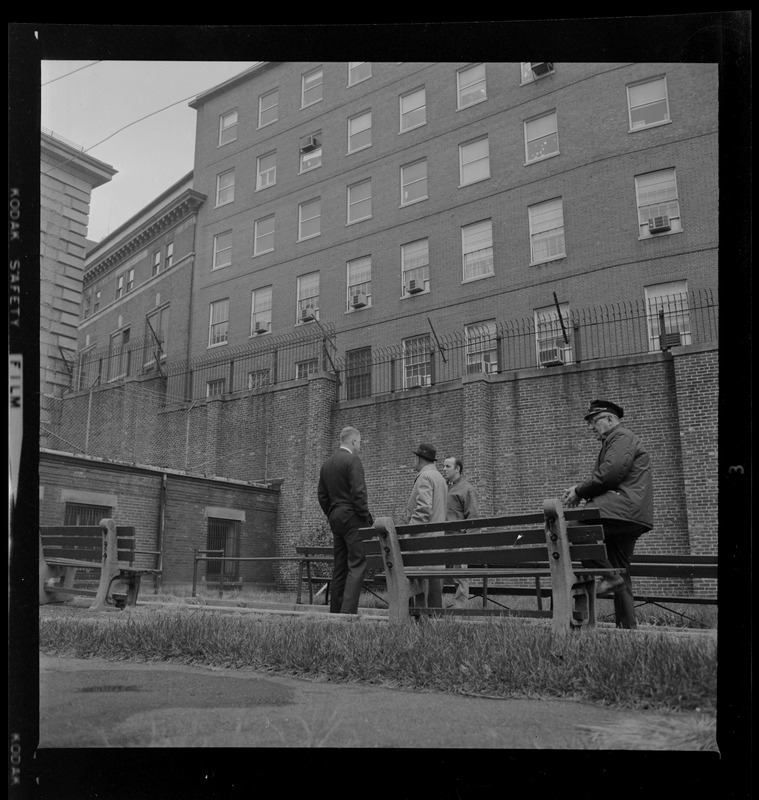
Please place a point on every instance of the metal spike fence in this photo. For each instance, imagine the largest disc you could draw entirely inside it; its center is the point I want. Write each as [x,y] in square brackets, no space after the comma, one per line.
[101,428]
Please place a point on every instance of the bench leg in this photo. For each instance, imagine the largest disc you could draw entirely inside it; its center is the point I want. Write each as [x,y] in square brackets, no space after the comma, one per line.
[133,589]
[584,604]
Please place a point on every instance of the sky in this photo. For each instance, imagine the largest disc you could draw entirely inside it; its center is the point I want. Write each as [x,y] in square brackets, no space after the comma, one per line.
[96,99]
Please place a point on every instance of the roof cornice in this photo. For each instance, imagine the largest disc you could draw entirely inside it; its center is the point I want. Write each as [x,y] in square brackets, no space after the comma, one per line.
[183,206]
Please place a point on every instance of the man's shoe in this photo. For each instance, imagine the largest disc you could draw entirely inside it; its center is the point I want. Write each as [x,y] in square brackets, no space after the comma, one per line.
[612,585]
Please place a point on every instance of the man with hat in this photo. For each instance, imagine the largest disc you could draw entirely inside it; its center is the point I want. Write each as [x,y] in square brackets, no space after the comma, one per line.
[621,487]
[427,503]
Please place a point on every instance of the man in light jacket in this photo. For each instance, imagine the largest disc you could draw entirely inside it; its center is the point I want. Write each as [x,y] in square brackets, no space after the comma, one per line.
[621,486]
[427,503]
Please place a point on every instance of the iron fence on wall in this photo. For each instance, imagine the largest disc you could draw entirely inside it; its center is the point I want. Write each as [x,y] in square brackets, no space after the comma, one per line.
[495,347]
[582,335]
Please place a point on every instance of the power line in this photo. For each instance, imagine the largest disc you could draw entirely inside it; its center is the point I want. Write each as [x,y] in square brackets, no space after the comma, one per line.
[79,69]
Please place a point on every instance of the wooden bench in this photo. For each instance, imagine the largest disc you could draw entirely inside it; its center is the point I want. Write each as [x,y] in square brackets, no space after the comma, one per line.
[642,566]
[325,555]
[106,548]
[501,547]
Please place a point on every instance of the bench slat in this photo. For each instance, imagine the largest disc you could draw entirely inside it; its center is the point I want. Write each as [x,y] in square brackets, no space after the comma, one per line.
[658,558]
[673,570]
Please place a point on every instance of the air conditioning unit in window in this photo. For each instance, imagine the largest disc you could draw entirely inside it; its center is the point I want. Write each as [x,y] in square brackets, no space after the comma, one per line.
[541,68]
[489,363]
[309,145]
[670,340]
[260,329]
[658,224]
[414,287]
[551,357]
[359,300]
[307,314]
[413,383]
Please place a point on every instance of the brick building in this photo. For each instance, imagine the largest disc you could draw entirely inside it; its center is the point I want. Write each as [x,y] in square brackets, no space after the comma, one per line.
[464,254]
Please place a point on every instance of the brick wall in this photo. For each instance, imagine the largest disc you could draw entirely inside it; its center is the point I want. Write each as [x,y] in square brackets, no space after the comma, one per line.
[136,497]
[521,435]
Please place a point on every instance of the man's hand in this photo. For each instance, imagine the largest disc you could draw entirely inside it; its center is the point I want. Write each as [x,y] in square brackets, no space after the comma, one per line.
[571,498]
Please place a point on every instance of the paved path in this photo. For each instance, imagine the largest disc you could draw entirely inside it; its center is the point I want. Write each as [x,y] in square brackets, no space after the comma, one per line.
[97,703]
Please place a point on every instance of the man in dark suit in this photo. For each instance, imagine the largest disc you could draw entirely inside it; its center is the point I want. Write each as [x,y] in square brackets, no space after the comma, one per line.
[343,498]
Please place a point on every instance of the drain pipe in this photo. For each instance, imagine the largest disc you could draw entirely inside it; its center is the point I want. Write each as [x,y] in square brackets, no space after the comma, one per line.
[159,536]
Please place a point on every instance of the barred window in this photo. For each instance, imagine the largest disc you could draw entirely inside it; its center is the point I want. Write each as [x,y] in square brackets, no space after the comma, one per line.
[223,534]
[417,367]
[358,373]
[83,514]
[481,352]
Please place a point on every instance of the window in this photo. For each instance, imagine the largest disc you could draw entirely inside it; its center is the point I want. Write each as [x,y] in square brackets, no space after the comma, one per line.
[359,283]
[219,323]
[118,355]
[360,201]
[308,297]
[481,351]
[309,219]
[471,87]
[415,267]
[87,305]
[96,302]
[266,171]
[474,161]
[360,131]
[552,349]
[169,254]
[417,367]
[215,387]
[647,103]
[227,127]
[225,187]
[263,236]
[268,108]
[668,316]
[311,91]
[119,286]
[223,534]
[541,137]
[82,514]
[359,71]
[546,231]
[358,373]
[658,208]
[477,250]
[413,109]
[311,151]
[156,335]
[260,310]
[130,280]
[414,182]
[533,70]
[156,262]
[305,368]
[258,378]
[222,250]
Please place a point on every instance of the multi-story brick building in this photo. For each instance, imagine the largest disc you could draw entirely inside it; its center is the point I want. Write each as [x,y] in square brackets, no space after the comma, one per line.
[464,254]
[376,196]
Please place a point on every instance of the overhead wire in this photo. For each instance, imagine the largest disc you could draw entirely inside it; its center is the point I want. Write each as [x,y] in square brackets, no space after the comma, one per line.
[78,69]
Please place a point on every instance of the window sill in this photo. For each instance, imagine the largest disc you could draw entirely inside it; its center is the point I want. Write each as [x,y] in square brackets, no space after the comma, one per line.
[358,150]
[471,183]
[414,202]
[310,169]
[469,105]
[218,344]
[547,260]
[263,253]
[263,188]
[224,144]
[356,310]
[652,125]
[478,278]
[221,266]
[312,103]
[356,221]
[412,128]
[542,158]
[266,124]
[306,238]
[408,296]
[227,203]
